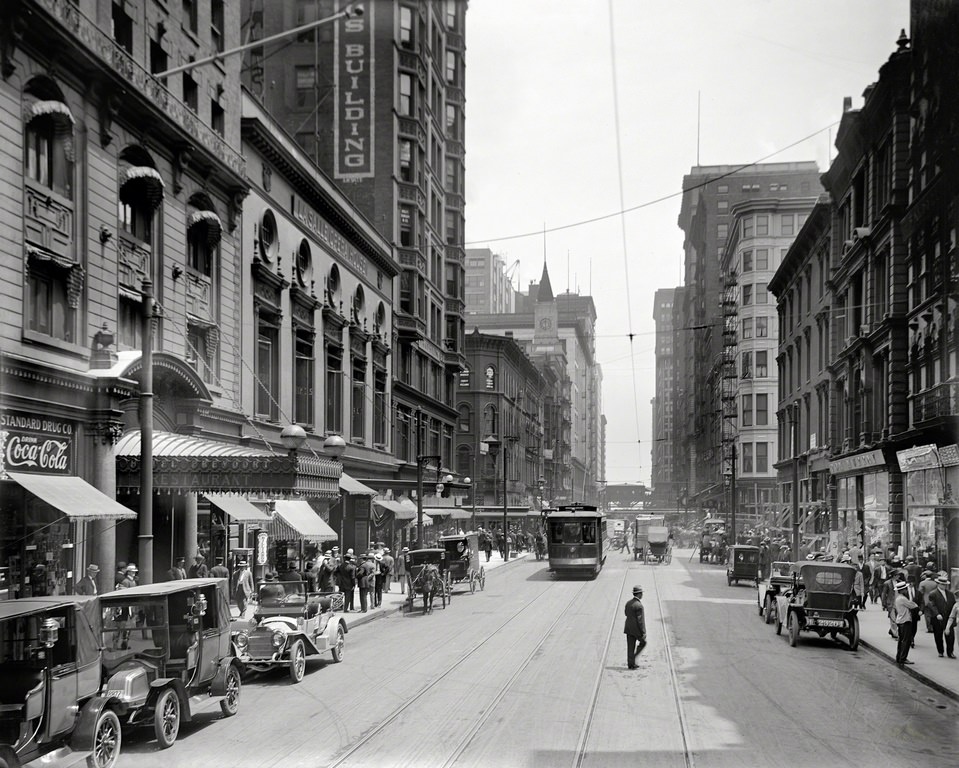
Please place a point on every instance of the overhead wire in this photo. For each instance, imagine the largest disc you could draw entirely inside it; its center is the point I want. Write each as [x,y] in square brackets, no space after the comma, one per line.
[655,201]
[622,217]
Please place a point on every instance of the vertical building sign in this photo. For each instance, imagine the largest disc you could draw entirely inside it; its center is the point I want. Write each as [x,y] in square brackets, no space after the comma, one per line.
[353,119]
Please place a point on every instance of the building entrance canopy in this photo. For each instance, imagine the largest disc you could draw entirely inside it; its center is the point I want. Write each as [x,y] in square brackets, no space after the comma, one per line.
[187,464]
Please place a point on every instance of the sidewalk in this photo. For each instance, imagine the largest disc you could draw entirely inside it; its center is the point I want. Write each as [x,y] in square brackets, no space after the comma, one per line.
[941,674]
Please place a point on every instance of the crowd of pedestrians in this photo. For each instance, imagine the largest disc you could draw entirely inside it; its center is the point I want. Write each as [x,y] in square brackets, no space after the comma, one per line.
[361,578]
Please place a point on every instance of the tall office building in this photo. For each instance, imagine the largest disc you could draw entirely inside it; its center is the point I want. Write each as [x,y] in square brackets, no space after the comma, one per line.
[489,287]
[711,194]
[665,490]
[377,101]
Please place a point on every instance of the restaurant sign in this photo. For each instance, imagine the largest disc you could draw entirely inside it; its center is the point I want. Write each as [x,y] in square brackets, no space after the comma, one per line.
[867,460]
[35,444]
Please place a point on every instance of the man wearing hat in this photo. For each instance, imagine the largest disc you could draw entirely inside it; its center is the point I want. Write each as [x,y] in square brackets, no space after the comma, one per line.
[387,566]
[346,581]
[219,571]
[129,577]
[199,569]
[903,608]
[365,572]
[178,571]
[324,573]
[88,584]
[243,590]
[399,568]
[635,628]
[939,606]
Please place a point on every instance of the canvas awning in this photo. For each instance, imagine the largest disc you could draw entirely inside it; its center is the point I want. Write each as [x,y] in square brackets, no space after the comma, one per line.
[406,511]
[296,519]
[391,506]
[454,513]
[238,508]
[354,487]
[73,496]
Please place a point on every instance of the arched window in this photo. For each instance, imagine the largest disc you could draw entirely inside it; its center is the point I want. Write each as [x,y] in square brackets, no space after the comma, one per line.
[464,461]
[490,421]
[141,192]
[464,420]
[53,274]
[48,136]
[204,230]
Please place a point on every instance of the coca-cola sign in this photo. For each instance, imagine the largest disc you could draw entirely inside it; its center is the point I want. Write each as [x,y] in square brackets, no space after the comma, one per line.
[35,444]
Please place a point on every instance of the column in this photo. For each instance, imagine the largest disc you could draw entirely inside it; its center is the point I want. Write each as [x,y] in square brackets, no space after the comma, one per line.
[186,546]
[102,548]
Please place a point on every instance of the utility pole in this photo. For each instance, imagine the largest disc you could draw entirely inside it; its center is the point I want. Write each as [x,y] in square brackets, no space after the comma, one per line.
[732,496]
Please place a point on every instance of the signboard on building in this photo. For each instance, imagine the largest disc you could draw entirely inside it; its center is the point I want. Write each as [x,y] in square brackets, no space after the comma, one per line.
[860,461]
[920,457]
[353,111]
[37,444]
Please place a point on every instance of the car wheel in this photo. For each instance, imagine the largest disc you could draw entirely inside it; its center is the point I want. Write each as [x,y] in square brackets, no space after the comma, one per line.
[106,741]
[854,633]
[793,630]
[166,718]
[339,645]
[729,580]
[779,625]
[768,611]
[297,661]
[230,703]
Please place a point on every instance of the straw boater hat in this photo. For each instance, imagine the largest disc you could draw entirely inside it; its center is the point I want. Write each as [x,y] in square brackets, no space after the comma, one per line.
[93,568]
[637,590]
[902,585]
[131,567]
[942,578]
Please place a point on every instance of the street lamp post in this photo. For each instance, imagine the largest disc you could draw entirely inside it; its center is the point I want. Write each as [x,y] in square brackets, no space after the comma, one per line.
[794,421]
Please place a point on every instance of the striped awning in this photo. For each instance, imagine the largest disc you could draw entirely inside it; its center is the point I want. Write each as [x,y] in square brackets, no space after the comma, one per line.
[238,508]
[296,519]
[354,487]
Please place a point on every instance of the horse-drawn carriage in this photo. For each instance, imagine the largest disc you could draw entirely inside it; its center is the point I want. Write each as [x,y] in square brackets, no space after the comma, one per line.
[428,575]
[462,553]
[659,545]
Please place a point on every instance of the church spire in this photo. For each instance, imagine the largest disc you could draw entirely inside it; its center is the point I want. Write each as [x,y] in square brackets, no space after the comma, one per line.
[545,289]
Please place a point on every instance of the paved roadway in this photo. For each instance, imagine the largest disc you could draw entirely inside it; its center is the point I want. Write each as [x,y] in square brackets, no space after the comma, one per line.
[532,672]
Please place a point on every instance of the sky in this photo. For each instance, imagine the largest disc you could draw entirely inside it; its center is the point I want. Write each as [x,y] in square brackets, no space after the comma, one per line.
[580,109]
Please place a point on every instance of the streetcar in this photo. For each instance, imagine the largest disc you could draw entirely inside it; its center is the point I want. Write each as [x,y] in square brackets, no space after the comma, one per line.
[577,540]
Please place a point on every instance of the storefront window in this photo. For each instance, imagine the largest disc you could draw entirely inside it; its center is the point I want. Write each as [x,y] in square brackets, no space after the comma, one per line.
[876,512]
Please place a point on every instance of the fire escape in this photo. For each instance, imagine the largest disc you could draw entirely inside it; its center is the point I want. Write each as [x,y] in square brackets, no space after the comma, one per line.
[729,387]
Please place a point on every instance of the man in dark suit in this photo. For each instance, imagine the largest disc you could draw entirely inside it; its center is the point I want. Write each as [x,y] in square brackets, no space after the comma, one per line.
[635,628]
[178,571]
[939,604]
[88,584]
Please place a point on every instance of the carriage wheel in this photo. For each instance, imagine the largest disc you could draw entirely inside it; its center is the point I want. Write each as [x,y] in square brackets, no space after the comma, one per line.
[482,578]
[472,582]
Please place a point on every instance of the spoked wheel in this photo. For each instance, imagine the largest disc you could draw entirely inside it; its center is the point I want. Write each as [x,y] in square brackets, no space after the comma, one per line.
[768,611]
[853,633]
[472,582]
[106,741]
[166,718]
[230,703]
[339,645]
[297,661]
[793,630]
[482,578]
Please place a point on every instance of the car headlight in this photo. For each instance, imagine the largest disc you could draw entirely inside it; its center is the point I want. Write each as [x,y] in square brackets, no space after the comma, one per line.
[279,639]
[242,641]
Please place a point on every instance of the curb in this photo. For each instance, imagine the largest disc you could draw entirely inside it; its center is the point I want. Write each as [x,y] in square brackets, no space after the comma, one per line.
[928,681]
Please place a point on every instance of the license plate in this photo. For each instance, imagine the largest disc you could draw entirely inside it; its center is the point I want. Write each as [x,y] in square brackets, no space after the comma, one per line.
[830,622]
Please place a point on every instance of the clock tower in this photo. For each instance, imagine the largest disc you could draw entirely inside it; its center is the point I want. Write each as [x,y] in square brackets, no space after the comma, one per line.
[545,314]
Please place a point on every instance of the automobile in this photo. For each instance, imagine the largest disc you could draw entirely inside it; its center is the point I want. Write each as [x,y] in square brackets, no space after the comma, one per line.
[819,599]
[742,564]
[288,625]
[779,579]
[51,711]
[167,654]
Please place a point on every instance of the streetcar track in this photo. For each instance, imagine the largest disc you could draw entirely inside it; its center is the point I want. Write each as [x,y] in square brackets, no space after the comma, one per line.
[674,679]
[485,715]
[368,736]
[580,752]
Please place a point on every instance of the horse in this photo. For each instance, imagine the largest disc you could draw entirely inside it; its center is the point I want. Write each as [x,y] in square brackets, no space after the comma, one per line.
[430,583]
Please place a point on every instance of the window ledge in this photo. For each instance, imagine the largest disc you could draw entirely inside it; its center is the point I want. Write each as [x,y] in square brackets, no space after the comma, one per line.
[68,347]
